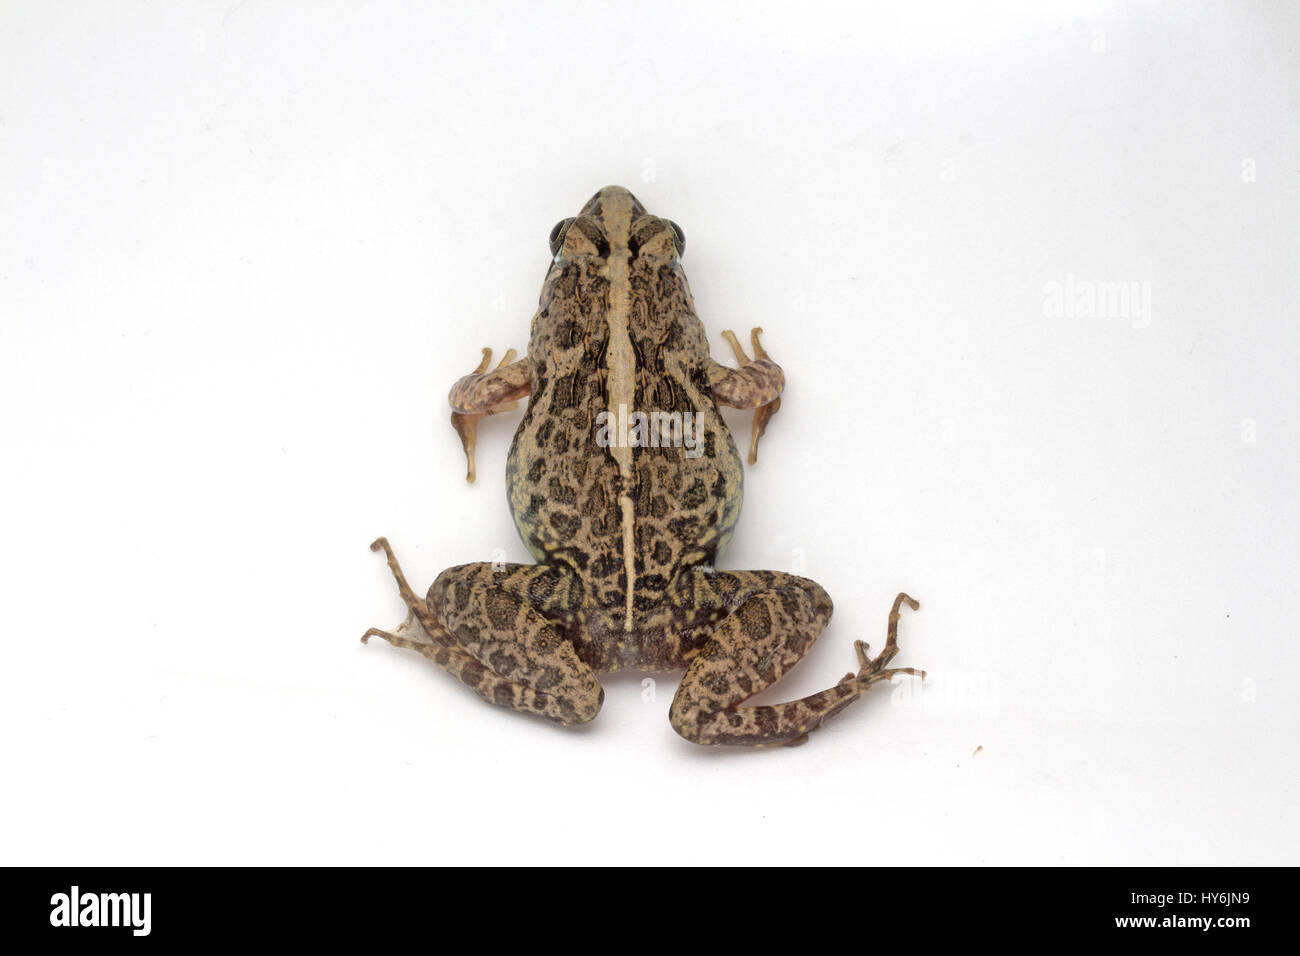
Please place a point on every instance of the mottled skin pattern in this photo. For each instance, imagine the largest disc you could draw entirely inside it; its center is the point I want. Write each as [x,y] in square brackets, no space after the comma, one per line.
[626,535]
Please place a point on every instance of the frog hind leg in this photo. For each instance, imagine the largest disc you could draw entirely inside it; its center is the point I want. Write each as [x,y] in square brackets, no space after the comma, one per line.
[775,619]
[484,624]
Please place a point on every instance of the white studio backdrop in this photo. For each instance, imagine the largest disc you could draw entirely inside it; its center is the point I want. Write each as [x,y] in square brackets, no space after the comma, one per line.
[1030,269]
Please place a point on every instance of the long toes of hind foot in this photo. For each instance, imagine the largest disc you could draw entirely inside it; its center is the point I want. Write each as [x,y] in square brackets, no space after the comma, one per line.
[874,669]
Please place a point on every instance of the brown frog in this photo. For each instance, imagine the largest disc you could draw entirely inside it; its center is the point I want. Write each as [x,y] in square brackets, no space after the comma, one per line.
[625,484]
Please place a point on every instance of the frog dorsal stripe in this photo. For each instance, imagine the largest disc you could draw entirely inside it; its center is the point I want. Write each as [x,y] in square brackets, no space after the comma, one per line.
[617,208]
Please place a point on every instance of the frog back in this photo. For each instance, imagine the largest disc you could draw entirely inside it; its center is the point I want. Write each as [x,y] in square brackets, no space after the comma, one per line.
[622,467]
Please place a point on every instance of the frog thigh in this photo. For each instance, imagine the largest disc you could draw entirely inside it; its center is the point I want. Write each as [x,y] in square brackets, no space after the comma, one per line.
[508,618]
[488,627]
[776,619]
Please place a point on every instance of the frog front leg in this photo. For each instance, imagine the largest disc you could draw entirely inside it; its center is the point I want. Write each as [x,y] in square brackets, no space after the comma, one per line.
[499,630]
[773,621]
[483,393]
[756,384]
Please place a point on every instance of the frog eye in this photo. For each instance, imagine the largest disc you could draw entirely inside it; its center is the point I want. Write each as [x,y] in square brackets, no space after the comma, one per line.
[557,235]
[679,237]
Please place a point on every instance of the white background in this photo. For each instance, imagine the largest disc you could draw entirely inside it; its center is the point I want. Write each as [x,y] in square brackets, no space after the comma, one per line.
[246,247]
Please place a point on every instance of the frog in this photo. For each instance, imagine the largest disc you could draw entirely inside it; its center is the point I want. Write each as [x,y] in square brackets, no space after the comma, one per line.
[625,484]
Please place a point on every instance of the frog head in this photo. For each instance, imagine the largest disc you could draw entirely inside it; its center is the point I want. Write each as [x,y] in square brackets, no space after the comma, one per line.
[613,222]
